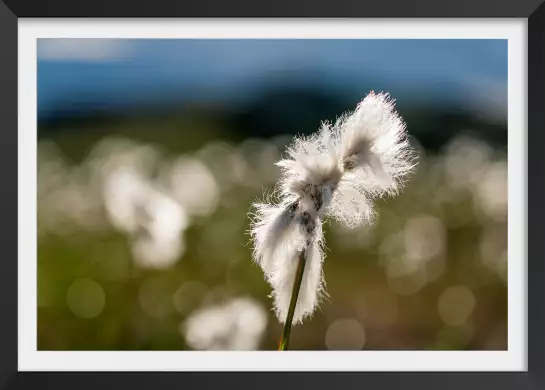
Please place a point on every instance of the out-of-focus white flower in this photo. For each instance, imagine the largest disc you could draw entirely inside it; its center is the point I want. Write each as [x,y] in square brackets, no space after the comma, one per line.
[193,186]
[425,238]
[123,189]
[159,242]
[466,160]
[237,325]
[491,191]
[153,219]
[335,172]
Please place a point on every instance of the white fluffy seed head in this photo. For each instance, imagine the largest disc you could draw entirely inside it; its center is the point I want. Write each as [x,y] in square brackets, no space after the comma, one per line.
[333,173]
[280,235]
[312,287]
[312,165]
[351,205]
[373,145]
[273,233]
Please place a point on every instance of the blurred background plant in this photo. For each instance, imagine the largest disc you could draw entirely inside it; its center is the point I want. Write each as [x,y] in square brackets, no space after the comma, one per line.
[150,153]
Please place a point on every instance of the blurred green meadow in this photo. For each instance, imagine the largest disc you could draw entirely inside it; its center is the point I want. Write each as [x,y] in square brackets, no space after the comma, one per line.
[143,227]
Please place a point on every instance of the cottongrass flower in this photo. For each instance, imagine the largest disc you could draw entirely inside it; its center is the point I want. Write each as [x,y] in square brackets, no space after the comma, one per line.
[236,325]
[336,172]
[153,220]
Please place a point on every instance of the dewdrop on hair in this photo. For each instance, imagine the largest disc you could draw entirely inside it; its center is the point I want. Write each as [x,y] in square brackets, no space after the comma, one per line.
[333,173]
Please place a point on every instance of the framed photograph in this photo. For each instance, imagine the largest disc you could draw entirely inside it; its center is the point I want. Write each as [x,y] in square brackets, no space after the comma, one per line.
[312,194]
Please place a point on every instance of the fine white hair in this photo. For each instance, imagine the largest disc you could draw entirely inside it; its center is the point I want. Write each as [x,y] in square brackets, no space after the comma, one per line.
[374,145]
[335,173]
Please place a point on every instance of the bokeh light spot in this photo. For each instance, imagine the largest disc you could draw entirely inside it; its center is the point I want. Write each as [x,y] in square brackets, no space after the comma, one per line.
[345,334]
[456,304]
[86,298]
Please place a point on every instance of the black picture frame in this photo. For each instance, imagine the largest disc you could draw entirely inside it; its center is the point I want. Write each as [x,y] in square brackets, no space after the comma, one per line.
[531,10]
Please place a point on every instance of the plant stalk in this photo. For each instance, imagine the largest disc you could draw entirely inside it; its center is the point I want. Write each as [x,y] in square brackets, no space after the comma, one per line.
[284,341]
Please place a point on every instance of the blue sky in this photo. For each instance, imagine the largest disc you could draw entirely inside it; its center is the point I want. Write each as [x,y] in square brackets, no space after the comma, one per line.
[85,73]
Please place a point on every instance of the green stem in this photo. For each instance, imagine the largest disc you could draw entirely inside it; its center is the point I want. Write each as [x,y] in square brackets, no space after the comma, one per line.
[284,341]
